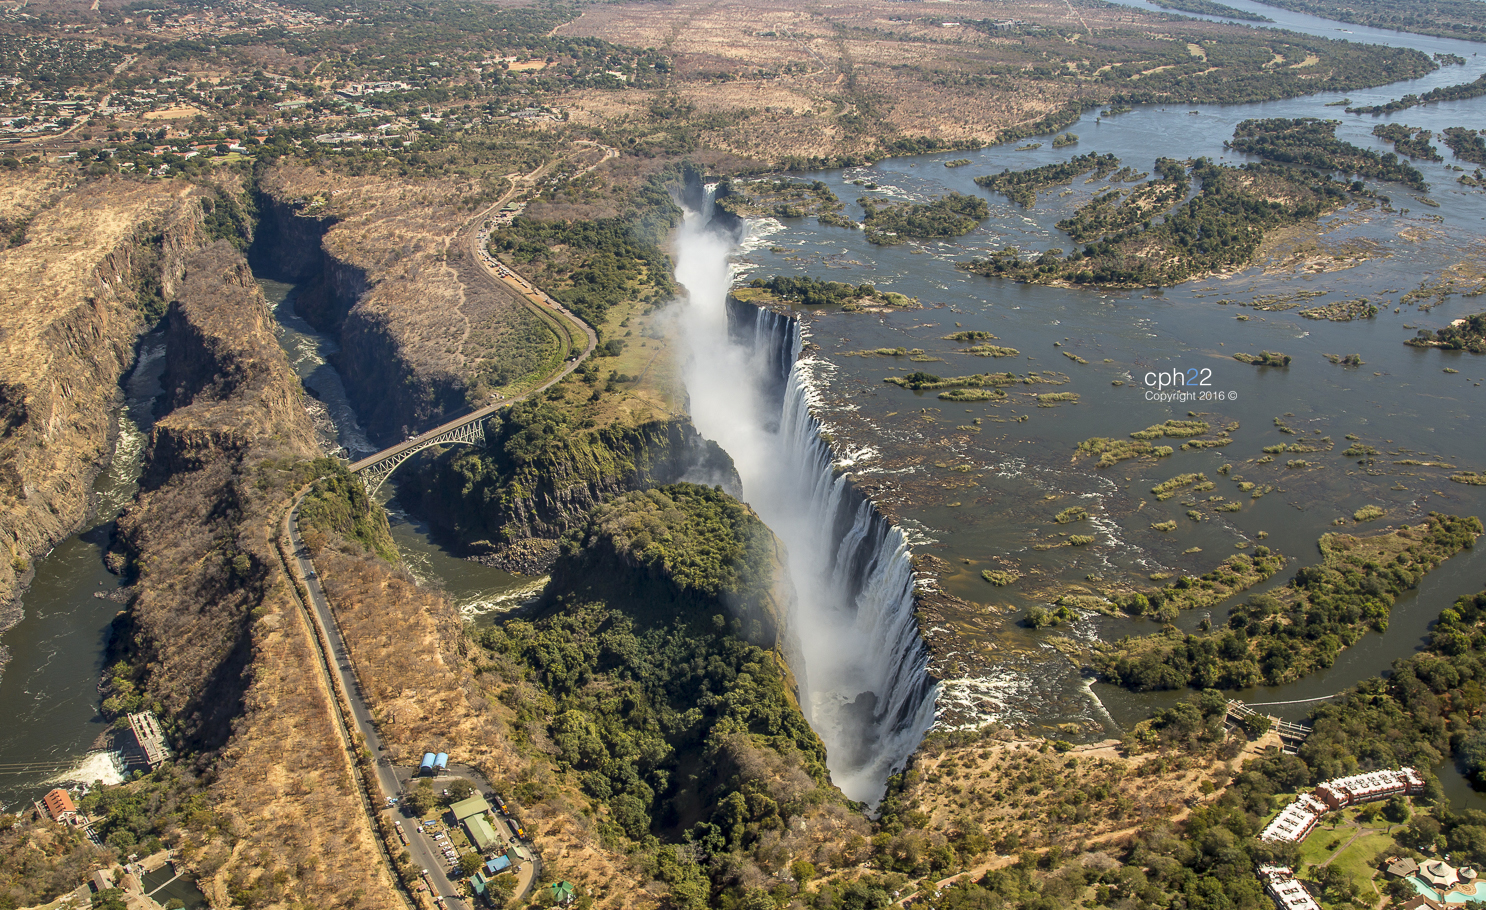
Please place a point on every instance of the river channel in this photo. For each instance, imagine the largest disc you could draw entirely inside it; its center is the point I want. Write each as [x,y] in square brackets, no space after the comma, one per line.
[983,497]
[978,484]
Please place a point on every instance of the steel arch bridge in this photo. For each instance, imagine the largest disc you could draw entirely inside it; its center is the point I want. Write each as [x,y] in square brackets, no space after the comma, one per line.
[375,469]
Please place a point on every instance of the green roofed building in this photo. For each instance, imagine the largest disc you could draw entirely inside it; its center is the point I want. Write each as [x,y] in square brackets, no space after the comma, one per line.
[480,832]
[475,805]
[562,892]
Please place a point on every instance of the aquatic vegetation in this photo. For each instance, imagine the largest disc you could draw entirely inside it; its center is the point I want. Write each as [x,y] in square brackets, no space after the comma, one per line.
[1343,310]
[972,395]
[1169,488]
[1173,428]
[1114,451]
[968,336]
[1053,399]
[1471,477]
[1074,357]
[1368,513]
[1235,574]
[1264,359]
[999,577]
[1065,140]
[920,381]
[1164,526]
[991,350]
[958,162]
[1071,514]
[1348,360]
[1080,540]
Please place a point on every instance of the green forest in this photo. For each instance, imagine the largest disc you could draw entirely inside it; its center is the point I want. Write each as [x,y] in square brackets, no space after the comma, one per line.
[1219,228]
[1309,142]
[1468,145]
[1448,93]
[1470,335]
[1408,140]
[952,215]
[1277,637]
[654,697]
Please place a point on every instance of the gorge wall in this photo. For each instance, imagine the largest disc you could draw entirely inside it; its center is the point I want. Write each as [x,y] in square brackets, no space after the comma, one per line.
[97,262]
[213,639]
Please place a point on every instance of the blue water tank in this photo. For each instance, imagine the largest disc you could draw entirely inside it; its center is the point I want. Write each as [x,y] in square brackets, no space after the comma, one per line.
[427,765]
[441,763]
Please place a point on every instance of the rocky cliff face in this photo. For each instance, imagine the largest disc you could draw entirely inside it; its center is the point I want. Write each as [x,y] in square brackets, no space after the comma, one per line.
[77,295]
[387,272]
[234,402]
[214,637]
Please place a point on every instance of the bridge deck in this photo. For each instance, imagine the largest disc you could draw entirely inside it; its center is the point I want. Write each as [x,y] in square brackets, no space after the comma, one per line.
[379,457]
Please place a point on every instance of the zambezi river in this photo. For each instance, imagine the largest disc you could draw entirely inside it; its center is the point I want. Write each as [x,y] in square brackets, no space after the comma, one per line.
[977,484]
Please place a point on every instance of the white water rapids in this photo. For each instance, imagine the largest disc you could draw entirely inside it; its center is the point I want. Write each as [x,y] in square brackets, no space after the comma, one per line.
[859,660]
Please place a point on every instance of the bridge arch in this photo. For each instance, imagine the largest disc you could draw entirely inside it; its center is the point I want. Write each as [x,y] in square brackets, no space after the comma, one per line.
[375,470]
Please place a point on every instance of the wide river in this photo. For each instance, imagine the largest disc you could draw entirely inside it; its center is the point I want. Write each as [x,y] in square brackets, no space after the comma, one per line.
[992,500]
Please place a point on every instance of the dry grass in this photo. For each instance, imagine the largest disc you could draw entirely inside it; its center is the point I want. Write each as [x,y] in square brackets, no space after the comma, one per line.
[68,335]
[426,693]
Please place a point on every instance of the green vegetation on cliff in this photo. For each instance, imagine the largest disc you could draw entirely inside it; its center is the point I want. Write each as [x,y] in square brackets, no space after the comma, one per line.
[541,470]
[666,712]
[1280,637]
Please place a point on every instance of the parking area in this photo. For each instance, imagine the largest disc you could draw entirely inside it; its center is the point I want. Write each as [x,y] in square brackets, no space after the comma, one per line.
[456,822]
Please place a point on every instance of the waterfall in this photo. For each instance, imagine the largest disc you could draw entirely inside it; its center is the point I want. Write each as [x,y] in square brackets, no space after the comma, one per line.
[863,667]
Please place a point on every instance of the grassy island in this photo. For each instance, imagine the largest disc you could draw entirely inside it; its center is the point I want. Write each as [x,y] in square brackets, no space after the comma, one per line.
[1279,637]
[1021,186]
[809,291]
[1312,143]
[953,215]
[1209,8]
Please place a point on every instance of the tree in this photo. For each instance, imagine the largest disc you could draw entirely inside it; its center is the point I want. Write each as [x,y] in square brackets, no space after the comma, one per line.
[470,863]
[421,799]
[460,789]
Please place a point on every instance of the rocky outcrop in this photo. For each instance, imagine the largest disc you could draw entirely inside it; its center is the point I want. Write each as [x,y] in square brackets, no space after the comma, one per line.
[385,270]
[213,638]
[236,403]
[500,499]
[77,295]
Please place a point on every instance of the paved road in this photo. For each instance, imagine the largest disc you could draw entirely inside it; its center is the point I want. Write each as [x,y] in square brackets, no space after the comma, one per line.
[535,299]
[423,855]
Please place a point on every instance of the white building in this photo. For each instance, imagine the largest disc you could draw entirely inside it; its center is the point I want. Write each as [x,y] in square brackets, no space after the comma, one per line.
[1296,821]
[1361,788]
[1287,892]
